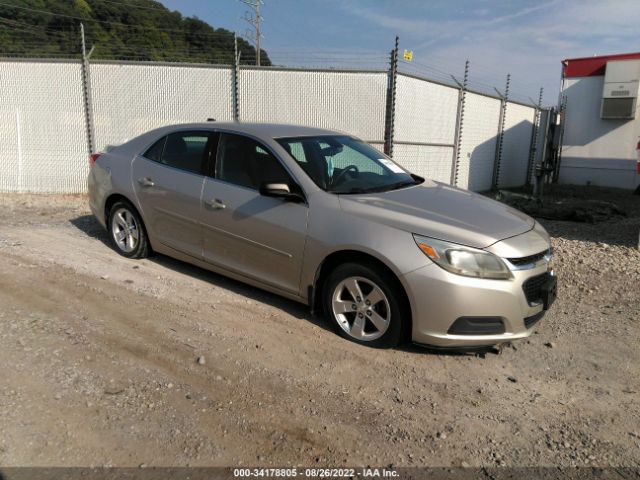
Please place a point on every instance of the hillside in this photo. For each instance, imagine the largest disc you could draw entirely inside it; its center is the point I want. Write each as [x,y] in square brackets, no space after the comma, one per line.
[130,30]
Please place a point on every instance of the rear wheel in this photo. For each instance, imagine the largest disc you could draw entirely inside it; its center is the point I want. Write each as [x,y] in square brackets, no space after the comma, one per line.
[127,231]
[364,305]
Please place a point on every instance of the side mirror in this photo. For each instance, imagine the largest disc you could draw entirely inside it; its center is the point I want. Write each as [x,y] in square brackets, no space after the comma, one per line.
[279,190]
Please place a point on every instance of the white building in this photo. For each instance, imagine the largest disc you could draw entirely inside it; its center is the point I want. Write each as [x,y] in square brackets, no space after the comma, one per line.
[602,121]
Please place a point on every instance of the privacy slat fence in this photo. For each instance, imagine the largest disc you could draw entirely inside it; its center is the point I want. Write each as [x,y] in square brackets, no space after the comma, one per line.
[45,126]
[42,128]
[425,127]
[353,102]
[479,142]
[131,99]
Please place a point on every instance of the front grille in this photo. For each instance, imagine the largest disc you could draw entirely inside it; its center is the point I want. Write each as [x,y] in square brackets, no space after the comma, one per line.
[530,259]
[533,287]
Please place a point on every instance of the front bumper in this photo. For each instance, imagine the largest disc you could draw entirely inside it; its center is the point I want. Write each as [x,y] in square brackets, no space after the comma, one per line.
[439,298]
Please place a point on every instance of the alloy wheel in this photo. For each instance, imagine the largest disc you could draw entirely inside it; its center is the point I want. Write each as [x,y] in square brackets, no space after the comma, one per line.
[125,230]
[361,308]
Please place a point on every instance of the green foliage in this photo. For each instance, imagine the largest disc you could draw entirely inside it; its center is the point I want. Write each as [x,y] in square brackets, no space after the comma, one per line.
[116,29]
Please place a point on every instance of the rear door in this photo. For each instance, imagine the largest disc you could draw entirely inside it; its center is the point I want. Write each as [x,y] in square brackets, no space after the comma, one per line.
[168,180]
[256,236]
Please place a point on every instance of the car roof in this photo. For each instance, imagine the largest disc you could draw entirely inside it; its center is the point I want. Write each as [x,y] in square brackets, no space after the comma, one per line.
[269,130]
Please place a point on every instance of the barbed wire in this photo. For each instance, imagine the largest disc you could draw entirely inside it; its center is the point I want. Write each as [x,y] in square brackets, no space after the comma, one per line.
[439,76]
[437,60]
[67,42]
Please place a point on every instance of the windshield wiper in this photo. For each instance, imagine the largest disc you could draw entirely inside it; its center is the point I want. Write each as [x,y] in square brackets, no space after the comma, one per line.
[352,190]
[383,188]
[396,186]
[393,186]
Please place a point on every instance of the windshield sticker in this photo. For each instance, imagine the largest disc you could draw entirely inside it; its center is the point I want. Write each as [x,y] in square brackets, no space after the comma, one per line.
[390,165]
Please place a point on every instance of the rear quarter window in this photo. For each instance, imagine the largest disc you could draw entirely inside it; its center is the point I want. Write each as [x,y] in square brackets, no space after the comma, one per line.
[155,151]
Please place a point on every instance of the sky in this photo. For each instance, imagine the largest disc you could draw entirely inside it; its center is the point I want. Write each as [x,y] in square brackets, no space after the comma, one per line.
[527,39]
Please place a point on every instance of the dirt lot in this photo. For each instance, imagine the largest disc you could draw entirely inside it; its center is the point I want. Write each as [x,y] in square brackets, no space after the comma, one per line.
[99,367]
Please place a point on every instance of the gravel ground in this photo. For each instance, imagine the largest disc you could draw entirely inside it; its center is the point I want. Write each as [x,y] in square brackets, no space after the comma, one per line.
[109,361]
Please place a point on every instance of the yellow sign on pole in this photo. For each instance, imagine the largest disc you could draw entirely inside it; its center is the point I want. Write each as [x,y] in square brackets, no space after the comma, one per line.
[408,55]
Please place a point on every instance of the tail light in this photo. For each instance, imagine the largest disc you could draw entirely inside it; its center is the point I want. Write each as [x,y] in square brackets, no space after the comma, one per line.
[92,158]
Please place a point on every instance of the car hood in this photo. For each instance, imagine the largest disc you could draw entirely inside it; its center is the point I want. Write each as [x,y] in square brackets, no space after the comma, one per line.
[440,211]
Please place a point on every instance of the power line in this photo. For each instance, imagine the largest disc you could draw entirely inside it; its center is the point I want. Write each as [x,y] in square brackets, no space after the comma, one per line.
[22,25]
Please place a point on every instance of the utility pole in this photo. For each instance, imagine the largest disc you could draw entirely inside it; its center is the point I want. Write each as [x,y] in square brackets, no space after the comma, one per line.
[254,19]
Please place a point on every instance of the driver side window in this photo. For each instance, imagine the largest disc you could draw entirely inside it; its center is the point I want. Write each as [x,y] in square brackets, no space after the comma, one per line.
[245,162]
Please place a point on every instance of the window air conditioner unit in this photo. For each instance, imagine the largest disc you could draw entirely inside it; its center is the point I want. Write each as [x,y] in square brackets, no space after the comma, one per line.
[620,92]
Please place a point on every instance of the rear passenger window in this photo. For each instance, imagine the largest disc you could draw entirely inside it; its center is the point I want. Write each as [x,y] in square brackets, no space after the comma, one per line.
[182,150]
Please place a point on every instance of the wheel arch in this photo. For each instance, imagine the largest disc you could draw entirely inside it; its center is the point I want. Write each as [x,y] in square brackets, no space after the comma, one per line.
[340,257]
[111,200]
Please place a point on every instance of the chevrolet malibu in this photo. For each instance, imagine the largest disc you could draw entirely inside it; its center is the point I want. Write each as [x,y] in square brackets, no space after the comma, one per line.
[325,219]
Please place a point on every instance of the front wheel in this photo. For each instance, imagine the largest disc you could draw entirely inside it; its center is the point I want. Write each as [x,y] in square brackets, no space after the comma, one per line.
[364,305]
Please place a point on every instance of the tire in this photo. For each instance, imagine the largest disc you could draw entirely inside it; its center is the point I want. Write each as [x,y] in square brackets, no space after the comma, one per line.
[381,322]
[127,232]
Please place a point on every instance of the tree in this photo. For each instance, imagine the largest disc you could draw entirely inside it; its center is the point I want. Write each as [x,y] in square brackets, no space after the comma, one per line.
[136,30]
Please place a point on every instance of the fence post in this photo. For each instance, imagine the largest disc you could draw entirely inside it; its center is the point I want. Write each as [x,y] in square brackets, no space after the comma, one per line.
[533,147]
[391,101]
[462,93]
[235,80]
[500,139]
[562,116]
[86,93]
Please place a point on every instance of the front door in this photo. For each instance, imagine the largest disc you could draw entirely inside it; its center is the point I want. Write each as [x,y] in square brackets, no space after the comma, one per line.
[256,236]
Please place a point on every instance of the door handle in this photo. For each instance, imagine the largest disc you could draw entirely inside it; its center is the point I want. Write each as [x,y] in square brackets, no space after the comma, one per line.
[216,204]
[146,182]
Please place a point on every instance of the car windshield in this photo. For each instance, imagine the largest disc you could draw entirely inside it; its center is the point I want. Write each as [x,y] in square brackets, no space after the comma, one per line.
[343,165]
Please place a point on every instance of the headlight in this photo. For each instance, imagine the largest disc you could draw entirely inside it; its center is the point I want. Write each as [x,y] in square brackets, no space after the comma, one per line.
[461,260]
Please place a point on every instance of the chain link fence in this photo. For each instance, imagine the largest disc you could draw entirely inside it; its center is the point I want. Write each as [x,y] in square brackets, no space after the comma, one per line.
[54,111]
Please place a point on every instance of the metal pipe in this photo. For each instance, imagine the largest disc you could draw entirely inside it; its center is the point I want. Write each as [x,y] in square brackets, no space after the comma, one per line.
[391,100]
[533,147]
[500,137]
[86,92]
[462,92]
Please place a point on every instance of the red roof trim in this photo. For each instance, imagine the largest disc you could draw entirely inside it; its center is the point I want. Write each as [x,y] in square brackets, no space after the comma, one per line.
[592,66]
